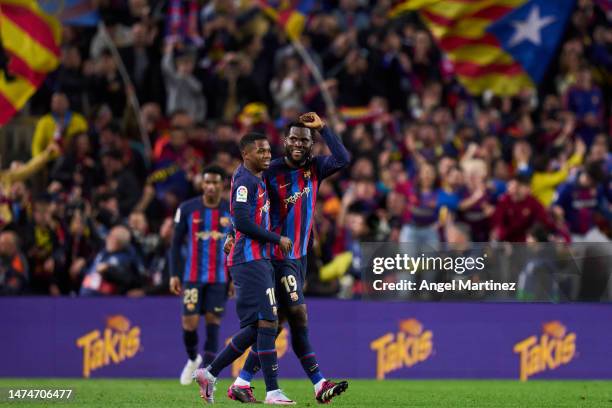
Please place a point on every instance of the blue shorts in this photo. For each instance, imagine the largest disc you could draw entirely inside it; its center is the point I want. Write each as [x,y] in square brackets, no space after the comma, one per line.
[255,297]
[200,298]
[290,275]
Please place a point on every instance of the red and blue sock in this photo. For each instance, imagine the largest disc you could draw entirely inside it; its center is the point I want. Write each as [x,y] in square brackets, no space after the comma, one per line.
[266,350]
[236,347]
[303,350]
[190,339]
[212,343]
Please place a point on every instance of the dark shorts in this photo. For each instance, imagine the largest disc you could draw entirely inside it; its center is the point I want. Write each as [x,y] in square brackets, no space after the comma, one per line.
[255,297]
[290,275]
[200,298]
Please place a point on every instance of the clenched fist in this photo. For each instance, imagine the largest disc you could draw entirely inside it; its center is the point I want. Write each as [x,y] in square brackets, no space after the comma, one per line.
[312,120]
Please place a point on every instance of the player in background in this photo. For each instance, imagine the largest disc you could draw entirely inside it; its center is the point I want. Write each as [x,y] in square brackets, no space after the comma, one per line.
[293,181]
[201,223]
[252,273]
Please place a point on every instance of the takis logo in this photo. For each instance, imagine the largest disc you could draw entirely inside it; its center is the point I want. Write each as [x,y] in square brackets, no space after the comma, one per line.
[281,348]
[409,346]
[554,348]
[115,344]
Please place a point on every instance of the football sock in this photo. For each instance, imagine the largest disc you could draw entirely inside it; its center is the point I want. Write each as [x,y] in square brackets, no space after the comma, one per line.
[212,342]
[303,350]
[236,347]
[266,351]
[190,339]
[251,366]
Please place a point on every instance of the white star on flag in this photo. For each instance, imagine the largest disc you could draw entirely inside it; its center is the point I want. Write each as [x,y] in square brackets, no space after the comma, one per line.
[531,28]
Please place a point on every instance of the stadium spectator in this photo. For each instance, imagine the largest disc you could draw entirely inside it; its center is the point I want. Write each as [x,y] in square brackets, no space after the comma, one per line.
[583,200]
[120,181]
[184,89]
[518,211]
[106,85]
[157,269]
[76,168]
[43,245]
[116,268]
[82,244]
[60,125]
[423,199]
[11,194]
[585,100]
[13,266]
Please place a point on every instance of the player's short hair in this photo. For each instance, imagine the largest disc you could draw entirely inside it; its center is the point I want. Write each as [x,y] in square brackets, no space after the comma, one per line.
[297,125]
[250,138]
[214,169]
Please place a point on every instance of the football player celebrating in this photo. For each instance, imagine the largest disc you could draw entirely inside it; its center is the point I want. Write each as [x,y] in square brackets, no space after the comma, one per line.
[252,273]
[293,182]
[201,223]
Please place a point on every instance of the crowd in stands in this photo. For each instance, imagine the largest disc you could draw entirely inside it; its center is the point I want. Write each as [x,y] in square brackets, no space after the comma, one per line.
[430,163]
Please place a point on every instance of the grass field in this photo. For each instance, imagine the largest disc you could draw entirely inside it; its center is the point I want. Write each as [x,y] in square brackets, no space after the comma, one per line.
[361,393]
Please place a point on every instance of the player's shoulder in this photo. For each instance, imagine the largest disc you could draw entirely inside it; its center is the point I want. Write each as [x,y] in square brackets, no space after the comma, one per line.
[189,205]
[276,163]
[243,177]
[224,205]
[186,208]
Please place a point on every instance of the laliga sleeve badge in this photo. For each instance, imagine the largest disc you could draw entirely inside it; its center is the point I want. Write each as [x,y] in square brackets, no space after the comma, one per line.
[242,194]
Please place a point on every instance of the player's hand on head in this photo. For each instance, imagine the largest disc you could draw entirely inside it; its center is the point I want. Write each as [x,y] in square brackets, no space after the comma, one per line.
[312,120]
[175,285]
[285,245]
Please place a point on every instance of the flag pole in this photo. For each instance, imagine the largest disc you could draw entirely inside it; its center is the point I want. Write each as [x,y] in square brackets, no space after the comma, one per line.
[131,93]
[316,73]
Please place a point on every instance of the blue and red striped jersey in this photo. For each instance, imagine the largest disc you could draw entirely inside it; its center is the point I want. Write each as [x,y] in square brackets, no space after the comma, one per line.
[293,194]
[250,190]
[203,230]
[581,205]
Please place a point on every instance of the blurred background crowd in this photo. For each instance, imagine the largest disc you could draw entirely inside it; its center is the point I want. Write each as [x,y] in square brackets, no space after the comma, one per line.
[431,164]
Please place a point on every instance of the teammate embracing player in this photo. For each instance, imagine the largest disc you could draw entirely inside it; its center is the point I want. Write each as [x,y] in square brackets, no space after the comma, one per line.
[252,273]
[293,182]
[203,224]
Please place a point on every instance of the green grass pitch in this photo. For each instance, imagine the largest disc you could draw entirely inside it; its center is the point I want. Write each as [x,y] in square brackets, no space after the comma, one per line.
[361,393]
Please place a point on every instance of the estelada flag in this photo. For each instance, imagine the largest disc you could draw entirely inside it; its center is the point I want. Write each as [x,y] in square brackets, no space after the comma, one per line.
[499,45]
[289,14]
[29,49]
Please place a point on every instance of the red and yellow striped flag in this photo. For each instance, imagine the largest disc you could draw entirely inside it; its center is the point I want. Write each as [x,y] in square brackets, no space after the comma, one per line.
[460,29]
[289,14]
[29,49]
